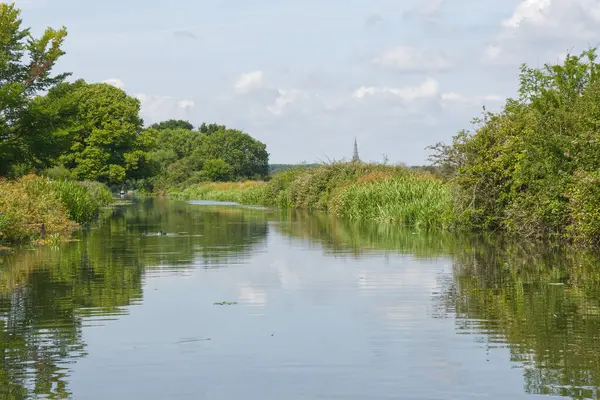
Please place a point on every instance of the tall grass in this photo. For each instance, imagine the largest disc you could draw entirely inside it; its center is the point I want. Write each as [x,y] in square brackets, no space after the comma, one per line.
[351,190]
[410,200]
[35,208]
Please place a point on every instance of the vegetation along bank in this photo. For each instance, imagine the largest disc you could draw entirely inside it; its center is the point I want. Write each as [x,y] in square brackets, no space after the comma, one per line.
[530,169]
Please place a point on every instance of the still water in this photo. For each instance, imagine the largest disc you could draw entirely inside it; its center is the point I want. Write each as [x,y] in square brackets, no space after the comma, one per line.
[314,308]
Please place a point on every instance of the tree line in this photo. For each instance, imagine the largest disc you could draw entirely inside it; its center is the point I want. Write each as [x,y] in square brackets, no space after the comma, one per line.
[94,132]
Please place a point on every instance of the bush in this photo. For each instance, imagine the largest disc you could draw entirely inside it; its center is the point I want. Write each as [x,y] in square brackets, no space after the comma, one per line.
[531,169]
[57,173]
[79,202]
[32,207]
[29,207]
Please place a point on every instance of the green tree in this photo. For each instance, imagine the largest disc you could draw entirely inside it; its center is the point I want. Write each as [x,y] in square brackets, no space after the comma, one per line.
[172,124]
[100,131]
[217,170]
[25,69]
[209,129]
[247,156]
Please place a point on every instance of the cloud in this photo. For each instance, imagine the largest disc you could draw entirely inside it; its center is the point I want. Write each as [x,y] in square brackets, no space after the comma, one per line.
[248,82]
[427,89]
[408,58]
[453,99]
[543,28]
[116,82]
[185,34]
[159,108]
[285,98]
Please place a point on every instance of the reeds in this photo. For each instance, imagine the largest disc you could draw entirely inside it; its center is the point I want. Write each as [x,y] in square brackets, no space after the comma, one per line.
[351,190]
[35,208]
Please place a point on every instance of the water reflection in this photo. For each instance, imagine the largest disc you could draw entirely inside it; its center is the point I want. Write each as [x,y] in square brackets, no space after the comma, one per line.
[47,296]
[327,309]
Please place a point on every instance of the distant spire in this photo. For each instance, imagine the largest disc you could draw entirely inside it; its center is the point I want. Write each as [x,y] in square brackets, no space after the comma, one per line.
[355,157]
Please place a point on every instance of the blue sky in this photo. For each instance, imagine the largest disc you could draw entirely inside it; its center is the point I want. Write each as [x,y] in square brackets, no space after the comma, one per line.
[306,77]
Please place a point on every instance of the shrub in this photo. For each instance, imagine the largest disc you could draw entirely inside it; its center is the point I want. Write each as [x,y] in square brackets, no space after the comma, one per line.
[29,207]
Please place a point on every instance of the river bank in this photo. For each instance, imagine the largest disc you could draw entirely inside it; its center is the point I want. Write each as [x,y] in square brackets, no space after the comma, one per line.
[42,211]
[356,191]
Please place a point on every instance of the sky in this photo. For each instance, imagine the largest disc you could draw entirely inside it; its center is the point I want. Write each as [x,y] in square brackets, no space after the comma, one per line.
[307,77]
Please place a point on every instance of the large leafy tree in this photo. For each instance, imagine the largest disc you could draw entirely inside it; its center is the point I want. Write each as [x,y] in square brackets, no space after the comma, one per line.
[25,69]
[99,131]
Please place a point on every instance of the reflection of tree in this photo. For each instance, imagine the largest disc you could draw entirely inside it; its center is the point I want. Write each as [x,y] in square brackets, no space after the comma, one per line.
[45,294]
[545,304]
[542,302]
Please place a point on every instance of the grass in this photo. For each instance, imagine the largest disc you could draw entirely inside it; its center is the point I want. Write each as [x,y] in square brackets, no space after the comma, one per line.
[356,191]
[46,211]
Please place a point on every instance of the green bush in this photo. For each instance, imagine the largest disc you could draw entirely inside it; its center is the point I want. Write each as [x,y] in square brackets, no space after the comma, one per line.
[81,205]
[34,208]
[57,173]
[30,207]
[530,169]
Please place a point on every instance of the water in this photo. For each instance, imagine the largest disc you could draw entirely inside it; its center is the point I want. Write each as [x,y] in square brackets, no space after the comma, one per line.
[316,308]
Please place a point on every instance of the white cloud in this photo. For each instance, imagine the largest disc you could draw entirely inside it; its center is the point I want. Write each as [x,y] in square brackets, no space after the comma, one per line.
[427,89]
[159,108]
[186,104]
[285,98]
[543,28]
[409,58]
[116,82]
[534,12]
[453,99]
[248,82]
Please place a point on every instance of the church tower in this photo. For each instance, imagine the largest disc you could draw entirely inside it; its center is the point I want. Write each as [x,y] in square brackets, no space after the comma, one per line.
[355,157]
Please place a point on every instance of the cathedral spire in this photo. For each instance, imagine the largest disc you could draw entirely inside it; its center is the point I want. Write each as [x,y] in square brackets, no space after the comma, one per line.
[355,157]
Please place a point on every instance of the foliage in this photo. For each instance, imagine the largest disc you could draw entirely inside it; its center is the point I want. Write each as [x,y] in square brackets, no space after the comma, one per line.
[58,172]
[213,153]
[172,124]
[410,200]
[99,129]
[33,208]
[28,204]
[247,156]
[273,168]
[217,170]
[209,129]
[523,168]
[351,190]
[25,69]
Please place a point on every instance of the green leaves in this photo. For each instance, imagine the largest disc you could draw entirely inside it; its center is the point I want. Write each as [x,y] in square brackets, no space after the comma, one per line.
[520,169]
[25,69]
[97,130]
[213,153]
